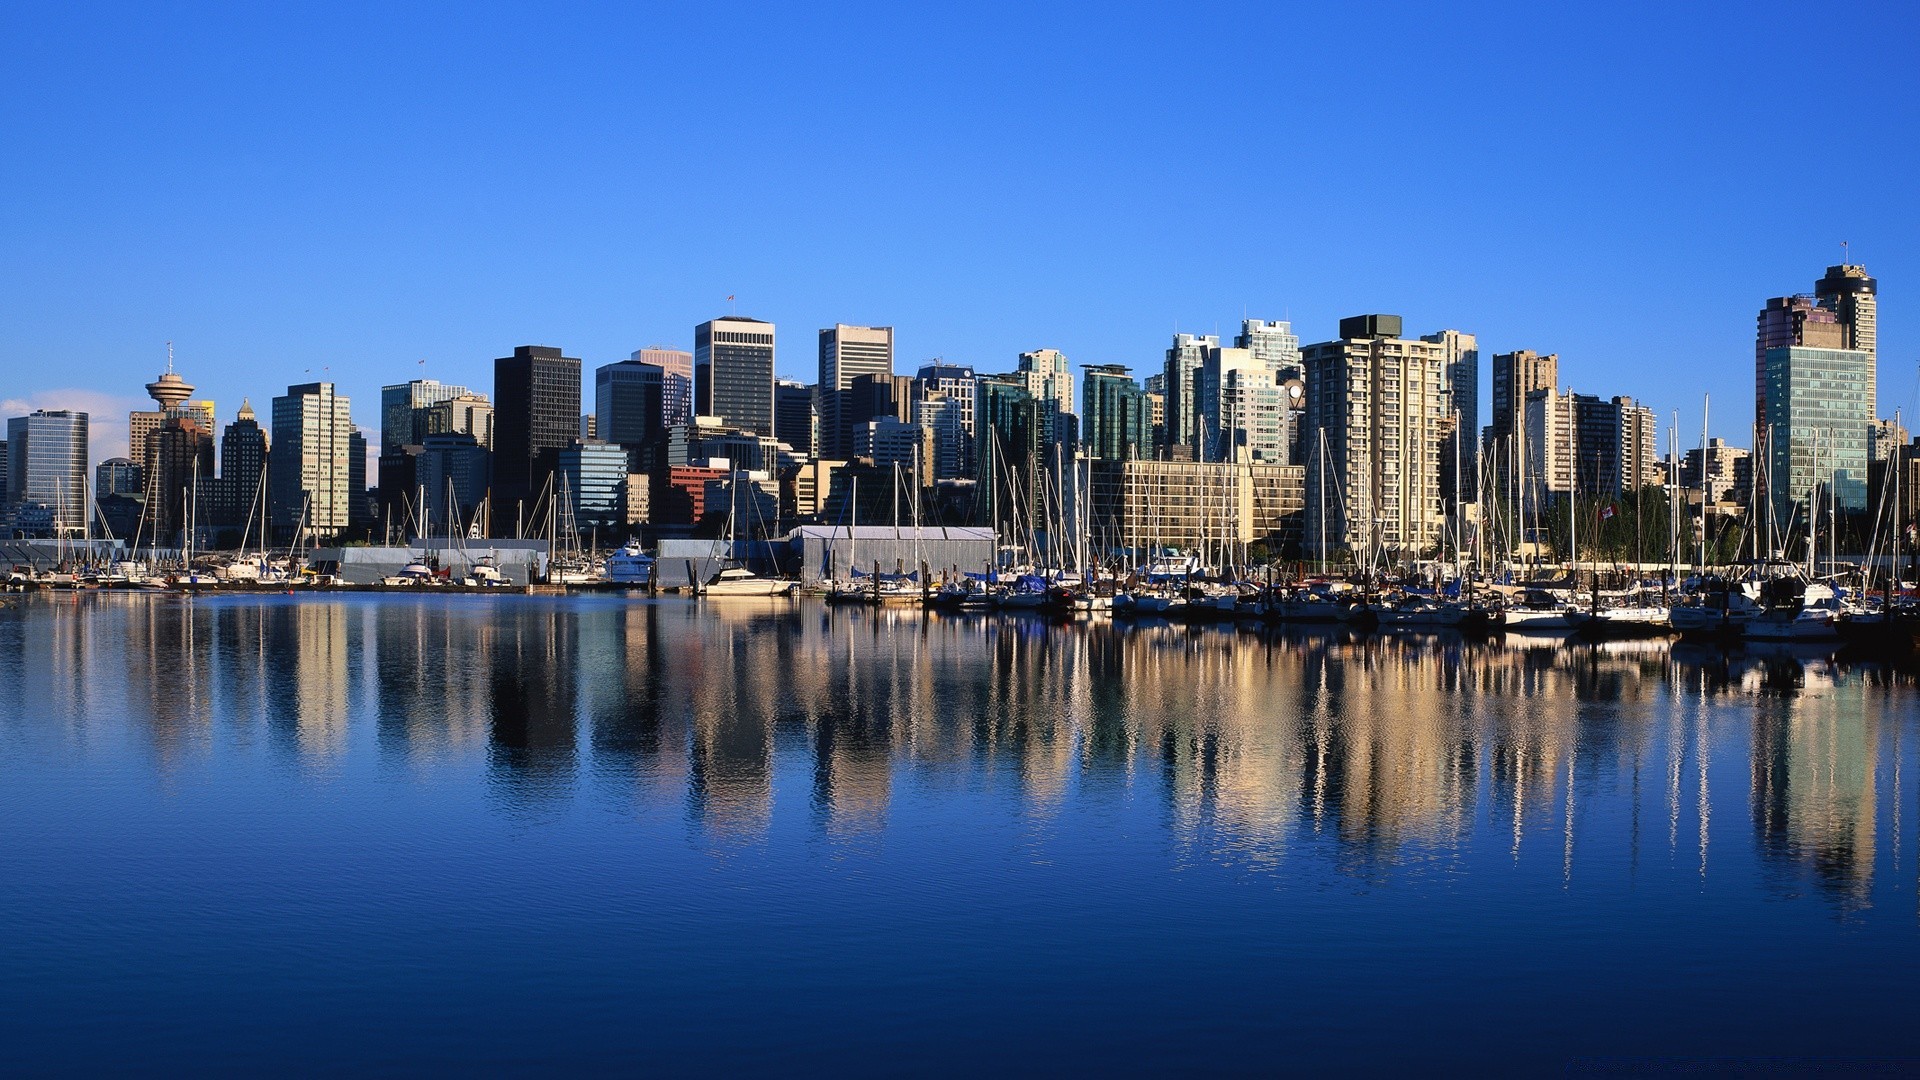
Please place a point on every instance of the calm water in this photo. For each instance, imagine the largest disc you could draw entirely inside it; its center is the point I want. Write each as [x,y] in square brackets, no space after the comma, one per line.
[247,833]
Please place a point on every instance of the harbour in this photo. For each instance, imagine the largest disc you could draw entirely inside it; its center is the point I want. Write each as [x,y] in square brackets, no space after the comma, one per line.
[1129,844]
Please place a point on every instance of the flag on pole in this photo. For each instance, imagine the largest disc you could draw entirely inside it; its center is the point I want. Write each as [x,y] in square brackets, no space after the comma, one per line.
[1607,514]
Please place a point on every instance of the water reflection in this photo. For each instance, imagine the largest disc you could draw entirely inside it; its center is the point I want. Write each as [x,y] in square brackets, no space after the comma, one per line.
[1254,748]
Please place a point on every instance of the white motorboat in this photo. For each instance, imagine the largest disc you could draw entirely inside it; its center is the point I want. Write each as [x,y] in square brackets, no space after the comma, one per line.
[738,581]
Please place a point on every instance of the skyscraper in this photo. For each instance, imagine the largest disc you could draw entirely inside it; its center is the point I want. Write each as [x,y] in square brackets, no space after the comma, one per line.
[676,382]
[1243,417]
[846,353]
[629,403]
[1049,378]
[47,470]
[1818,412]
[1116,420]
[733,372]
[1374,404]
[1840,317]
[182,455]
[403,408]
[243,455]
[1460,449]
[536,412]
[1272,343]
[1007,445]
[1849,293]
[310,477]
[1183,410]
[1515,375]
[794,422]
[944,399]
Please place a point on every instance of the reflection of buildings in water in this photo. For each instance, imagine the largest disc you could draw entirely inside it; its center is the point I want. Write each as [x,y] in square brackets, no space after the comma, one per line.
[1814,763]
[636,706]
[432,678]
[167,649]
[320,676]
[1393,759]
[531,705]
[735,674]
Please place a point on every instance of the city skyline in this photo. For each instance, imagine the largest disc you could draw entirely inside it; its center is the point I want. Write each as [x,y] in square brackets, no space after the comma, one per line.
[243,223]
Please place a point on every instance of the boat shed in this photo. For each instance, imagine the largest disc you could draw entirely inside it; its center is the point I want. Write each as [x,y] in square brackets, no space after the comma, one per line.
[522,561]
[826,552]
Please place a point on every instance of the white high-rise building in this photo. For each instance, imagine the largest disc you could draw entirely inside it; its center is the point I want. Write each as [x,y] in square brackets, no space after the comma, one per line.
[311,473]
[1243,418]
[1049,378]
[1271,342]
[1375,407]
[846,353]
[1183,410]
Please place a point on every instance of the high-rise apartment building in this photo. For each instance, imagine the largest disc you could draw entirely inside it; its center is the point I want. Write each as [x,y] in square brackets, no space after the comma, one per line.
[846,353]
[1724,474]
[1787,321]
[676,382]
[1515,375]
[1460,448]
[1243,415]
[1116,421]
[1049,378]
[310,478]
[1375,402]
[1181,377]
[794,421]
[536,412]
[733,372]
[47,471]
[1272,343]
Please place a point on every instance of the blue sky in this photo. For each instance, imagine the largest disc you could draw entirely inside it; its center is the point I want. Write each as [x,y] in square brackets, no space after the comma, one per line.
[345,191]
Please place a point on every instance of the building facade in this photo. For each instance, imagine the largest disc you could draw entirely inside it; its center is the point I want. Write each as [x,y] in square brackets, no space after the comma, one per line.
[1375,404]
[47,470]
[733,372]
[794,420]
[1243,416]
[310,479]
[847,353]
[536,414]
[1818,412]
[1116,424]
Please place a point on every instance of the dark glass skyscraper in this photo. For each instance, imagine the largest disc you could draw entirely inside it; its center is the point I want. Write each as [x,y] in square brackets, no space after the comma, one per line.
[536,412]
[1115,420]
[733,373]
[243,456]
[628,404]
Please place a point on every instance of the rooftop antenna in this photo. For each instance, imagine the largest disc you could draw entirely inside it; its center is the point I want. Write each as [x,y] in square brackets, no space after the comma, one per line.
[169,357]
[1844,255]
